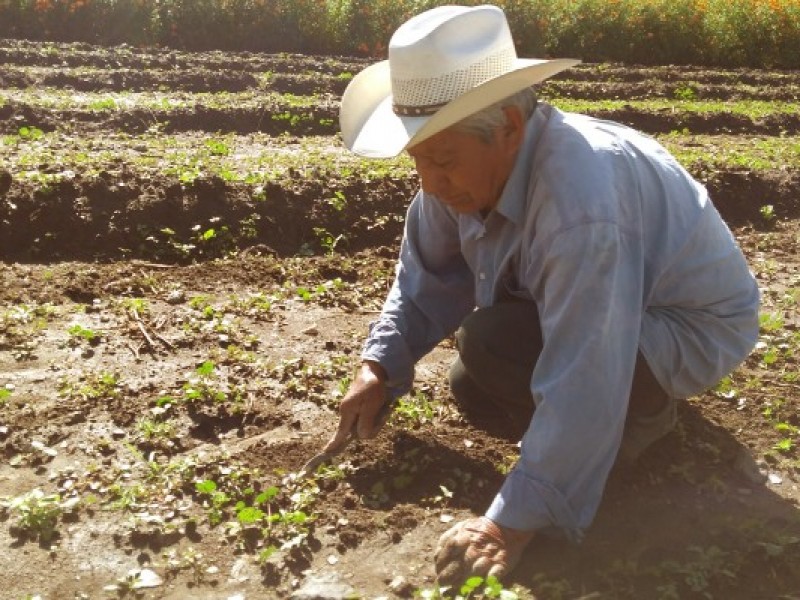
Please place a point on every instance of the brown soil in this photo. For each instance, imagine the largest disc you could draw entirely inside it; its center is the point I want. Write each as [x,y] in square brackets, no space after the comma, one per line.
[709,512]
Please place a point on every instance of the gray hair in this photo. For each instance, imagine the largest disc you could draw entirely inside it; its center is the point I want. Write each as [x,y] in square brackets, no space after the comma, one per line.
[484,123]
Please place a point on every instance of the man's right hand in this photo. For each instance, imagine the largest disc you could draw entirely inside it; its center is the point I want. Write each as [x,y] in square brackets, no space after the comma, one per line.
[361,406]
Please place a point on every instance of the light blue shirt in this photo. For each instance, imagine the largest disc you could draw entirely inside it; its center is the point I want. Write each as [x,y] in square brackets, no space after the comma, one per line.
[621,250]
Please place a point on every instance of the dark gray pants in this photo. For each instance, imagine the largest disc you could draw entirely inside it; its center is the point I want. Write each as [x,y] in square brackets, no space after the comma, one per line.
[498,348]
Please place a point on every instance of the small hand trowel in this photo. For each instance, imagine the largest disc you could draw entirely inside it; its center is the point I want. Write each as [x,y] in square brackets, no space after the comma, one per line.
[326,456]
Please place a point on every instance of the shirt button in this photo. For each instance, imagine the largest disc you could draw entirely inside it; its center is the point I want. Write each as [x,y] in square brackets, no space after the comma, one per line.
[482,276]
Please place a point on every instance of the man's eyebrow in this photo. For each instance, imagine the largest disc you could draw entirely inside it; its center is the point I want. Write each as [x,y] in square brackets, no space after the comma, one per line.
[437,156]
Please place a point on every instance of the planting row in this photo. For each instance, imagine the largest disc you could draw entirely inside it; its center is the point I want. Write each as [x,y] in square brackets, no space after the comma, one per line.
[583,82]
[220,196]
[65,55]
[35,157]
[249,112]
[87,67]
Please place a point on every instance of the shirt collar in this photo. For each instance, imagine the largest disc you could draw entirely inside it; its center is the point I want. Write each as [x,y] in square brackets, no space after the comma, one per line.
[513,201]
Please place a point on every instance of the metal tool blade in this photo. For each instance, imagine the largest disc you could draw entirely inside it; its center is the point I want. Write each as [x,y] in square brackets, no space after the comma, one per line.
[326,456]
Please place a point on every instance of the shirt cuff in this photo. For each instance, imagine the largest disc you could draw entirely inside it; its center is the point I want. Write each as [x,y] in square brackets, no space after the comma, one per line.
[386,346]
[527,504]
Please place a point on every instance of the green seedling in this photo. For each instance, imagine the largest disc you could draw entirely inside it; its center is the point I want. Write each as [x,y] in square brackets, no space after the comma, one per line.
[767,212]
[189,560]
[770,322]
[153,429]
[414,410]
[685,92]
[217,148]
[30,134]
[126,497]
[216,500]
[726,388]
[37,513]
[207,235]
[95,386]
[327,240]
[103,104]
[338,201]
[137,307]
[78,332]
[204,387]
[254,304]
[474,588]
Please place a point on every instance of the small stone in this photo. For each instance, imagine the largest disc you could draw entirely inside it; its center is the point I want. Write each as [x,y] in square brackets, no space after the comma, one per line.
[145,578]
[176,297]
[323,587]
[43,449]
[238,571]
[400,586]
[313,330]
[775,479]
[118,434]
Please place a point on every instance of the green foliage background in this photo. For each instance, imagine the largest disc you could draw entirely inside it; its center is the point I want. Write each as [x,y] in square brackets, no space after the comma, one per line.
[730,33]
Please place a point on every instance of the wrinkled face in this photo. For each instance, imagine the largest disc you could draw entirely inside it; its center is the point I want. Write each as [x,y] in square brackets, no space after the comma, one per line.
[465,172]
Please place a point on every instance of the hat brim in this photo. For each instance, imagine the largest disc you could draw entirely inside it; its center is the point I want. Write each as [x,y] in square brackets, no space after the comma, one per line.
[371,128]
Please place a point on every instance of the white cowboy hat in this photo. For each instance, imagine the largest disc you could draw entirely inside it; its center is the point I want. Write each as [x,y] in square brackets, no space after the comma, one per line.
[444,65]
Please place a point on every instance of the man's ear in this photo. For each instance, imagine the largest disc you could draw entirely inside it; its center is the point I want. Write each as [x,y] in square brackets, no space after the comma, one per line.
[513,132]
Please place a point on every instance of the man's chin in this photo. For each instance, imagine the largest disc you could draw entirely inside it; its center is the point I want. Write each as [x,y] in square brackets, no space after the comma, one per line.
[464,208]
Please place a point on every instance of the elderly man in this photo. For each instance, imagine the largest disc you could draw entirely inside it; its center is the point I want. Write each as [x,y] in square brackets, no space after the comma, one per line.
[589,280]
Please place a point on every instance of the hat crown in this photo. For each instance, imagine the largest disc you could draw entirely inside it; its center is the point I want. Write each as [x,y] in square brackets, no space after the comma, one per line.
[444,52]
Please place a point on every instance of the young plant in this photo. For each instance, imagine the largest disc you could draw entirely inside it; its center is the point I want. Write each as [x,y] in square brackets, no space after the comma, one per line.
[338,202]
[80,333]
[37,513]
[30,134]
[155,429]
[327,240]
[414,410]
[95,386]
[216,500]
[474,588]
[203,386]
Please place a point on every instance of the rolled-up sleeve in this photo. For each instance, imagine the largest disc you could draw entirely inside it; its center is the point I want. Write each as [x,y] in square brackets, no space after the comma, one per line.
[433,291]
[590,304]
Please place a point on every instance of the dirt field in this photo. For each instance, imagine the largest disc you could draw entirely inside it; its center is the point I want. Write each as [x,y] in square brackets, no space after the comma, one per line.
[173,344]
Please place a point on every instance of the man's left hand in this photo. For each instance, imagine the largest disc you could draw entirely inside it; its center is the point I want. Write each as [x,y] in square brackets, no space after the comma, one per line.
[478,546]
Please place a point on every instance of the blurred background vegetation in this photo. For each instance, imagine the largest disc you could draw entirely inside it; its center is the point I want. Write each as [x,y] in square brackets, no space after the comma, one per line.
[727,33]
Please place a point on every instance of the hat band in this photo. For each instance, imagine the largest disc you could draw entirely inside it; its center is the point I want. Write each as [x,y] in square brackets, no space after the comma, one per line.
[416,111]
